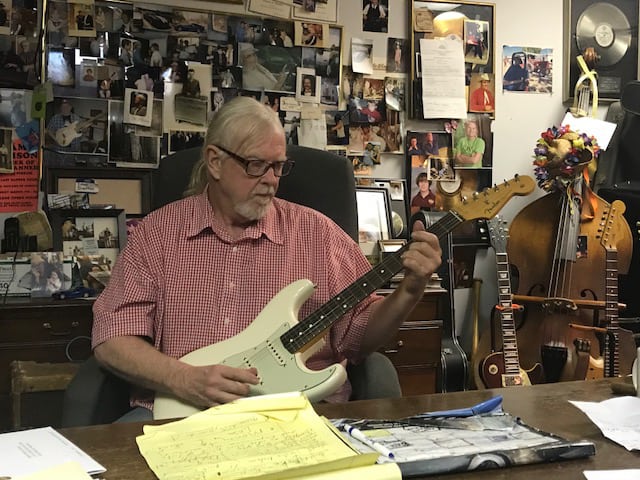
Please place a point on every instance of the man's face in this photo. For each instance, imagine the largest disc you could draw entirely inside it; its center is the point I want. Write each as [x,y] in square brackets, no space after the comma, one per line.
[250,197]
[429,137]
[306,83]
[484,84]
[471,129]
[414,142]
[423,185]
[65,108]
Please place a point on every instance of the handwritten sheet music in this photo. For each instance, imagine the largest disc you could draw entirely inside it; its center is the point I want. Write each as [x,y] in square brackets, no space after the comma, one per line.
[285,439]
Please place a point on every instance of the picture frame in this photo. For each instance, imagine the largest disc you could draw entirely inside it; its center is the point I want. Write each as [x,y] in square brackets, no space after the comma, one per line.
[374,214]
[128,189]
[93,238]
[616,44]
[426,24]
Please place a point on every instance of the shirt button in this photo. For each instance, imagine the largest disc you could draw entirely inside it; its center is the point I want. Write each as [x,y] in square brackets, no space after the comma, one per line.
[234,249]
[226,321]
[231,284]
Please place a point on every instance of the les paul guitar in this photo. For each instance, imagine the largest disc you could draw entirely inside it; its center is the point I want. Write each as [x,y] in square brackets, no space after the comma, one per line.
[278,346]
[502,369]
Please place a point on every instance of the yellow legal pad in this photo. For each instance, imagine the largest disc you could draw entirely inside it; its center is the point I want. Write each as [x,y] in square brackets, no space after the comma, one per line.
[266,437]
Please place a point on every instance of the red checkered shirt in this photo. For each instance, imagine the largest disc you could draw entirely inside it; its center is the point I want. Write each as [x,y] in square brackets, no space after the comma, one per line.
[184,282]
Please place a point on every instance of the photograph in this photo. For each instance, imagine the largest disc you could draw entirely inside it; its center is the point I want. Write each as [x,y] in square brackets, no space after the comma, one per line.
[481,93]
[375,15]
[374,214]
[473,142]
[6,151]
[311,35]
[138,107]
[394,93]
[397,51]
[308,85]
[80,17]
[45,276]
[15,108]
[337,127]
[140,151]
[75,125]
[266,67]
[476,42]
[361,61]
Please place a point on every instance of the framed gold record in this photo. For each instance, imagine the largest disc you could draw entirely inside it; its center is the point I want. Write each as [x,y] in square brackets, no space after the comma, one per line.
[610,28]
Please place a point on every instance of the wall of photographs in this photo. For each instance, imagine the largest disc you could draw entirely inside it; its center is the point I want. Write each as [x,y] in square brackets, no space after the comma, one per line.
[134,82]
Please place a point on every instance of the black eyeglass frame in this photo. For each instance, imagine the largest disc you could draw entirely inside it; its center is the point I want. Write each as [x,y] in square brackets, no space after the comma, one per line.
[285,167]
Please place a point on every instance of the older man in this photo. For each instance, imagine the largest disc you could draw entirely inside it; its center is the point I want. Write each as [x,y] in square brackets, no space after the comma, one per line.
[200,270]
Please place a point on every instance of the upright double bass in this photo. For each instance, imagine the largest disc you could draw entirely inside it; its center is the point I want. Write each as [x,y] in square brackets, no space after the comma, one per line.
[555,247]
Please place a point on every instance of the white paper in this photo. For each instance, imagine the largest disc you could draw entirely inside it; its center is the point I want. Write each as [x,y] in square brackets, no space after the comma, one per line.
[600,129]
[29,451]
[617,418]
[629,474]
[443,89]
[274,8]
[326,12]
[312,133]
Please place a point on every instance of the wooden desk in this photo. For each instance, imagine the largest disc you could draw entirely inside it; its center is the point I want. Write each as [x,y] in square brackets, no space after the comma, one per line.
[542,406]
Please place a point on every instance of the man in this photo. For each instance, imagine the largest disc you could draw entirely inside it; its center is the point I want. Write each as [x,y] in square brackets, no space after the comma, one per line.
[468,150]
[61,122]
[481,99]
[307,86]
[191,87]
[516,78]
[164,298]
[425,199]
[414,148]
[430,145]
[84,21]
[374,17]
[255,76]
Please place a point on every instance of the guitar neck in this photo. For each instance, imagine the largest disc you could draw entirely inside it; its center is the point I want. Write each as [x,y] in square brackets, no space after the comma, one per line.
[309,329]
[612,342]
[509,340]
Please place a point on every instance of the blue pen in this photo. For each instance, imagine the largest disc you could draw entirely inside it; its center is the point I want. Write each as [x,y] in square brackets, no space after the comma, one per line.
[487,406]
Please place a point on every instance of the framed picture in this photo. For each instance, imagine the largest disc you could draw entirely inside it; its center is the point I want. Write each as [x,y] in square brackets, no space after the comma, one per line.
[126,189]
[610,29]
[472,22]
[374,214]
[93,237]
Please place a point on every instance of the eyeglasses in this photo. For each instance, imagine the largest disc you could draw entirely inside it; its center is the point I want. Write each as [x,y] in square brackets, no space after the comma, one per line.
[257,168]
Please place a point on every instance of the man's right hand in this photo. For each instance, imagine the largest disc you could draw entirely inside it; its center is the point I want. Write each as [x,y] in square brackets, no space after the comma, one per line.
[212,385]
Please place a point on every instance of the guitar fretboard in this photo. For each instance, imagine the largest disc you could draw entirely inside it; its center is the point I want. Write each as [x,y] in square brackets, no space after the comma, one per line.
[315,324]
[612,343]
[509,340]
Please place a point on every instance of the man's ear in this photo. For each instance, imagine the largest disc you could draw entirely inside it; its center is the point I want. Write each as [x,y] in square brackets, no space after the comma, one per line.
[213,162]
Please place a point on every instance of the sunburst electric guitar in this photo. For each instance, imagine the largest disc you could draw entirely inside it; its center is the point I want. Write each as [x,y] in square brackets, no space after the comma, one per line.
[278,346]
[502,369]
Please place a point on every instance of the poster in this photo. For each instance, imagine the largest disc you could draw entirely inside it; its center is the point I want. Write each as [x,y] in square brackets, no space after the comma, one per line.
[19,190]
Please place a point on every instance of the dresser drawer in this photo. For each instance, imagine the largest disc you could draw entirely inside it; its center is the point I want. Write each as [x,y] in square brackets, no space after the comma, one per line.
[415,344]
[51,323]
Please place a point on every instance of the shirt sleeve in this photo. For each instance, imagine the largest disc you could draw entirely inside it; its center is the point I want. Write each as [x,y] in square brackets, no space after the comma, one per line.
[127,305]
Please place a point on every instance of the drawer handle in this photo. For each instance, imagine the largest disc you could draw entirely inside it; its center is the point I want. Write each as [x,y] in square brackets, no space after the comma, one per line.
[399,344]
[47,326]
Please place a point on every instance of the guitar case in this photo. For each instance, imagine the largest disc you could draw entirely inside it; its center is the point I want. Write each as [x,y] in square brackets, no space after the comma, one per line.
[454,365]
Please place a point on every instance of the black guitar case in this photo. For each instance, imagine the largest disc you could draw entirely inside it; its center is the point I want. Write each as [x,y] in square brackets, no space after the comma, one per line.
[454,365]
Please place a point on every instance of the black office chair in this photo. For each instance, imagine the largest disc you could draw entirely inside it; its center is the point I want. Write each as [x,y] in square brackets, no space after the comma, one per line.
[320,180]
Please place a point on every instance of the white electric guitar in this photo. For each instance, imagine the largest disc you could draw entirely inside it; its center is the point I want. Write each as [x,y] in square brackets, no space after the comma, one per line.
[67,134]
[278,346]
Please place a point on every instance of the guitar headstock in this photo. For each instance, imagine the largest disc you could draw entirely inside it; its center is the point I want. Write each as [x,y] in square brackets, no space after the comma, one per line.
[608,237]
[490,201]
[498,233]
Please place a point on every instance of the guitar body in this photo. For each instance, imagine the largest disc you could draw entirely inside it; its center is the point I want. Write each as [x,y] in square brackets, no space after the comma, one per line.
[493,373]
[259,346]
[67,134]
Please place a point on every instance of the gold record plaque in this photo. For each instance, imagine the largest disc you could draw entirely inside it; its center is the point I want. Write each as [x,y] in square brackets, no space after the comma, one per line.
[611,29]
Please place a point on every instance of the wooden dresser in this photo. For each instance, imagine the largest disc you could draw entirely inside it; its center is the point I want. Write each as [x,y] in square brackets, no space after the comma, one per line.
[42,330]
[415,350]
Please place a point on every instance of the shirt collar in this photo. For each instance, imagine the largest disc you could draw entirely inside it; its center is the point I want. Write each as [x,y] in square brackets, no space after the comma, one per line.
[204,218]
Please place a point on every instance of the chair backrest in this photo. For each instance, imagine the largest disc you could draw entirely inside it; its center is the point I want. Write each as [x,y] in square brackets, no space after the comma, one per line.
[320,180]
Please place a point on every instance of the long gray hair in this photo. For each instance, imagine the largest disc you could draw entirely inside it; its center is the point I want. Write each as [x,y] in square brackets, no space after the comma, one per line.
[238,123]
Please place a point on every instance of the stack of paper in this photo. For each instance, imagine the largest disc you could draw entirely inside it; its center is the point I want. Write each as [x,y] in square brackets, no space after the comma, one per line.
[30,451]
[266,437]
